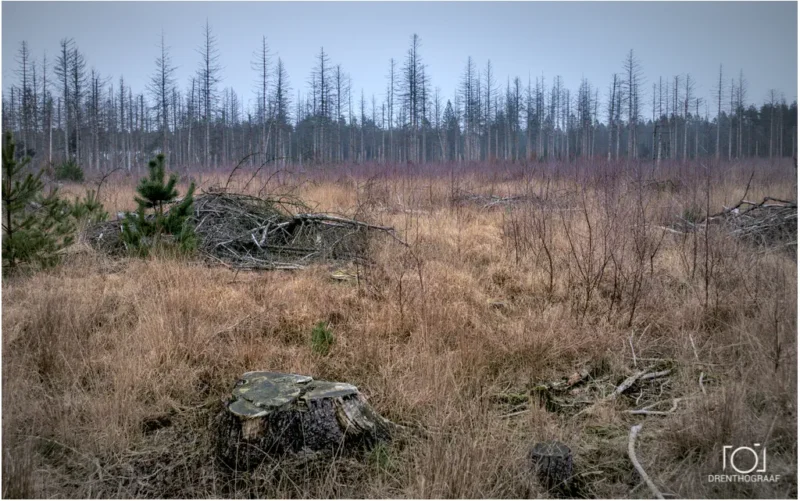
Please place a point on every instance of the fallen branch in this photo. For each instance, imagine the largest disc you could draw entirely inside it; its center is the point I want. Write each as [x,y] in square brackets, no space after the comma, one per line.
[647,411]
[517,413]
[642,375]
[632,454]
[639,376]
[627,384]
[633,352]
[655,375]
[325,217]
[231,327]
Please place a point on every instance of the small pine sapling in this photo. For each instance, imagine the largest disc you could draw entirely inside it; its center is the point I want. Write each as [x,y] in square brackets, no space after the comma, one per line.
[35,226]
[88,209]
[142,231]
[321,338]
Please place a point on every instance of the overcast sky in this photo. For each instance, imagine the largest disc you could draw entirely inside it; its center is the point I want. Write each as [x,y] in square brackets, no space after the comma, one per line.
[571,39]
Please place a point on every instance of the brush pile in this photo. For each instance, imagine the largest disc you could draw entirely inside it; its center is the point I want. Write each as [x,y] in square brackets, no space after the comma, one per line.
[771,222]
[247,232]
[464,198]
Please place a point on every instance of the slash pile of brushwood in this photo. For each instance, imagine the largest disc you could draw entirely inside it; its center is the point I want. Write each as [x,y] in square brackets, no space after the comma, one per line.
[489,201]
[247,232]
[770,222]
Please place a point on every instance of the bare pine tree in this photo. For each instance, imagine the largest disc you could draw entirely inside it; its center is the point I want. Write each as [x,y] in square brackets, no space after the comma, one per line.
[490,90]
[280,99]
[78,82]
[390,108]
[740,97]
[412,99]
[122,125]
[261,64]
[633,73]
[612,125]
[208,76]
[687,97]
[719,110]
[160,86]
[730,119]
[47,110]
[772,102]
[24,72]
[62,71]
[468,97]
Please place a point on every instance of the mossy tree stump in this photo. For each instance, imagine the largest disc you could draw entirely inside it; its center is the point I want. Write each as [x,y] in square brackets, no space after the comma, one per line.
[552,464]
[275,414]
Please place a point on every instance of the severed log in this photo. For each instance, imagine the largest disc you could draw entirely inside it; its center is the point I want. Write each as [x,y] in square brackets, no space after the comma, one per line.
[552,464]
[270,414]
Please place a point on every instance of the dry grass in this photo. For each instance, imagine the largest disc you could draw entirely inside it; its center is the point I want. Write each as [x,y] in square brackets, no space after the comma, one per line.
[112,370]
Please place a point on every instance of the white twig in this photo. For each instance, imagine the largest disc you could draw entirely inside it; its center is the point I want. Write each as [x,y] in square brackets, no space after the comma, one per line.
[632,454]
[670,230]
[703,388]
[646,410]
[639,376]
[627,384]
[655,375]
[694,348]
[518,413]
[633,352]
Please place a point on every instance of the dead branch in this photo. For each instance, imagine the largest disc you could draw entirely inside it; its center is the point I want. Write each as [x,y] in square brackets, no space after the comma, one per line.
[655,375]
[636,464]
[638,376]
[647,410]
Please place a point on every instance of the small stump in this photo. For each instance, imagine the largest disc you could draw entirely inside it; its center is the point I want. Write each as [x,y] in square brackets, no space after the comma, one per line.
[274,414]
[552,464]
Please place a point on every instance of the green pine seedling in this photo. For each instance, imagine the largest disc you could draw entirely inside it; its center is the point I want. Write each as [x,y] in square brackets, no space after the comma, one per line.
[35,226]
[321,339]
[142,231]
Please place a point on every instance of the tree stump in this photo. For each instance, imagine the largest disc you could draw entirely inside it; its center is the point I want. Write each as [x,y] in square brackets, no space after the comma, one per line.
[275,414]
[552,464]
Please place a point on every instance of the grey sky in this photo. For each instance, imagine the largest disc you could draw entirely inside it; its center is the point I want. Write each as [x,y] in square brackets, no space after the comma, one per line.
[571,39]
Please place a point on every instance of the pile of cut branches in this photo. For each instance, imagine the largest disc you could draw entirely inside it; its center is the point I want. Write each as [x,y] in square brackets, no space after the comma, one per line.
[246,232]
[770,222]
[490,201]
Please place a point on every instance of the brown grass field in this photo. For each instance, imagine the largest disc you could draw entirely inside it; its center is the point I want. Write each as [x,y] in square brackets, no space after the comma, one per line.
[96,348]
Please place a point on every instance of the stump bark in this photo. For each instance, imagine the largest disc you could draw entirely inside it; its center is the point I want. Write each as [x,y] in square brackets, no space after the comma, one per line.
[275,414]
[552,464]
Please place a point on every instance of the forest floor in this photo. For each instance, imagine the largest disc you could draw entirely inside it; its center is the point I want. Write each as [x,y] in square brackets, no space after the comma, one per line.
[114,368]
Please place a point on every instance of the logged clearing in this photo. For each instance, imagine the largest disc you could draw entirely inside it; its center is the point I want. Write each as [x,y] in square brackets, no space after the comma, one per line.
[525,304]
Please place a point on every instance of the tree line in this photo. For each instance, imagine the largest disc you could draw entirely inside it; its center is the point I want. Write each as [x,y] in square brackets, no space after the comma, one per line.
[60,111]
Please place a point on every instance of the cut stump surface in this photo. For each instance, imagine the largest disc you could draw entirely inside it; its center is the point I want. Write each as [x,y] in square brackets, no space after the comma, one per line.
[552,463]
[274,414]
